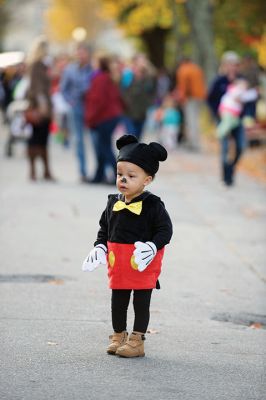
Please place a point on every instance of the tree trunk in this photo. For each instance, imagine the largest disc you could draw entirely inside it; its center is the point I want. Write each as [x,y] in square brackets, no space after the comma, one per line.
[154,40]
[4,19]
[200,15]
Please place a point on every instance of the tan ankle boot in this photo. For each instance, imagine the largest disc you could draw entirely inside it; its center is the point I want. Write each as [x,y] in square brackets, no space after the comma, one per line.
[117,340]
[134,346]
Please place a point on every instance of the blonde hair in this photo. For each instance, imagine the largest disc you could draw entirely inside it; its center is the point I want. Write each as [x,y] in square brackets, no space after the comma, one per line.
[38,50]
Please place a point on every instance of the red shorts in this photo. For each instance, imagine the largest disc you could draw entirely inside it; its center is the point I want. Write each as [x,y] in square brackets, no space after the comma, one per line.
[123,272]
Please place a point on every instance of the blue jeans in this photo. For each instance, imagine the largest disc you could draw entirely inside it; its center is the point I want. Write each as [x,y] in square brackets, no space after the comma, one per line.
[103,145]
[132,126]
[237,135]
[78,130]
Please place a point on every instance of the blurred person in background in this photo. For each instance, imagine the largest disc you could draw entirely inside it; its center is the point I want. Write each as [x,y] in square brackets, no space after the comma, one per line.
[232,103]
[233,144]
[21,83]
[103,112]
[6,91]
[190,92]
[10,77]
[74,84]
[40,107]
[163,85]
[62,109]
[127,74]
[162,89]
[229,70]
[170,120]
[17,129]
[138,87]
[116,68]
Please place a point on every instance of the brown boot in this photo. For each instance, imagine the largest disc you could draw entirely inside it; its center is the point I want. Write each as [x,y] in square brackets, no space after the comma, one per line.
[43,151]
[134,346]
[117,340]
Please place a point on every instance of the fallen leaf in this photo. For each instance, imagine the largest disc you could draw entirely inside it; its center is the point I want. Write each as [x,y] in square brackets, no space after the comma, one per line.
[254,163]
[52,343]
[56,282]
[152,331]
[256,325]
[251,213]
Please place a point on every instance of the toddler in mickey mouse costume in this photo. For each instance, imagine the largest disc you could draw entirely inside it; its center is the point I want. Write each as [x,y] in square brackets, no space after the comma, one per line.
[134,229]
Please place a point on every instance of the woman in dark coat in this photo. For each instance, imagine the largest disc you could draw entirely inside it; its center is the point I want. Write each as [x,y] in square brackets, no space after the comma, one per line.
[40,108]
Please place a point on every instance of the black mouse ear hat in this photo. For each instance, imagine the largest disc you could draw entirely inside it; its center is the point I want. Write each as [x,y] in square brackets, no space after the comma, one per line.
[146,156]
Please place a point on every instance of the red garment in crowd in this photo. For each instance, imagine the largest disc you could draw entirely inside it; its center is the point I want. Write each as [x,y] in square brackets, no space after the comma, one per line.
[102,101]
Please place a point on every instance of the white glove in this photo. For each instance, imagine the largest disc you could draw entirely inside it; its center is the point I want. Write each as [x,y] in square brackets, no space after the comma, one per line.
[144,254]
[96,257]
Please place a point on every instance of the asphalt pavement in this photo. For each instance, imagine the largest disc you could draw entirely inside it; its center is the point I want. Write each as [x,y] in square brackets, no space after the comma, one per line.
[207,337]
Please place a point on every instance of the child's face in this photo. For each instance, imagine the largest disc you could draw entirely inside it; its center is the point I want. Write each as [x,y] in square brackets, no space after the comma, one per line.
[131,179]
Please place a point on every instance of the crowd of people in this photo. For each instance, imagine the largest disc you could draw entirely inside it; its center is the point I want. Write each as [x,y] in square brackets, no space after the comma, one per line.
[90,94]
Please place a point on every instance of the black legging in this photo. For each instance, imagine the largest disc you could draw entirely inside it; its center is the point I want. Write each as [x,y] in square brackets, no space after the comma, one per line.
[141,304]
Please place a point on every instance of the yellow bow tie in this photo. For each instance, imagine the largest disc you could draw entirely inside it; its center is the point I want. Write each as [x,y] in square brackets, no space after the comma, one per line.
[133,207]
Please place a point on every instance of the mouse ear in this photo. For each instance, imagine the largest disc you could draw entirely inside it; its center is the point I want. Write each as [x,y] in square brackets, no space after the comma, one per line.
[124,140]
[158,151]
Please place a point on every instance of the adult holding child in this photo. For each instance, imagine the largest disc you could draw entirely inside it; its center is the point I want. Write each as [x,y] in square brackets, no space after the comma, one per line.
[235,139]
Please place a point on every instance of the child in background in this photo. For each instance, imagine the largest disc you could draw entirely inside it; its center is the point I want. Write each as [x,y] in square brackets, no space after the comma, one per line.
[134,229]
[170,120]
[231,106]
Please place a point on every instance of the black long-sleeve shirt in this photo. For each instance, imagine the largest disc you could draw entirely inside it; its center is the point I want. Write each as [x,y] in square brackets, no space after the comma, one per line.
[153,224]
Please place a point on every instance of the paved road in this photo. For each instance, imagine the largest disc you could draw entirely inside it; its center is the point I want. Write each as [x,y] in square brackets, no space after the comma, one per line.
[55,320]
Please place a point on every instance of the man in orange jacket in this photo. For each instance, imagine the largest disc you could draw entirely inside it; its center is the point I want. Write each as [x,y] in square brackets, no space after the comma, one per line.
[191,90]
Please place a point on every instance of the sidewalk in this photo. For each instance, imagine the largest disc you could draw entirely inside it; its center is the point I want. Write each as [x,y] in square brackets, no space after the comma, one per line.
[208,321]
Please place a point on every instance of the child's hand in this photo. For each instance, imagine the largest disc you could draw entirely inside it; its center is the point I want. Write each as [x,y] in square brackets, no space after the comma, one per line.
[96,257]
[144,254]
